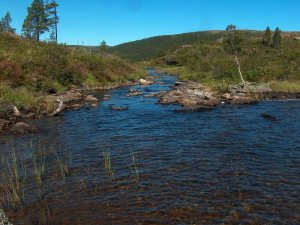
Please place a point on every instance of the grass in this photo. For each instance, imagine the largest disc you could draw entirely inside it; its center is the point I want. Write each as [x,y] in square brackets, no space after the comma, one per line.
[20,97]
[285,86]
[63,164]
[207,62]
[30,69]
[13,180]
[38,164]
[107,161]
[135,166]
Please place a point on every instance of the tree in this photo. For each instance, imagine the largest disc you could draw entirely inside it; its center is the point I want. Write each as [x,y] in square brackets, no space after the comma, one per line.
[103,48]
[276,38]
[35,22]
[267,39]
[52,19]
[5,24]
[232,46]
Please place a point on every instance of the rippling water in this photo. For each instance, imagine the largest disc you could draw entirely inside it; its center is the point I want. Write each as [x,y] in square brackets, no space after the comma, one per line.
[228,165]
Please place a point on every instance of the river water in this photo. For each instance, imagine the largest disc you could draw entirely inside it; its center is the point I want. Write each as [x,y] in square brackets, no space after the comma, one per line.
[224,166]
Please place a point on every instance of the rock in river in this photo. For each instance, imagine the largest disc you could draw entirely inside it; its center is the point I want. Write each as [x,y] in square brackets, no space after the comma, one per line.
[118,108]
[21,127]
[145,82]
[90,98]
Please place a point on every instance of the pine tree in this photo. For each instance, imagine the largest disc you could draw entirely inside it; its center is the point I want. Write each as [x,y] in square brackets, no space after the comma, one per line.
[232,46]
[267,39]
[276,38]
[103,48]
[35,22]
[52,19]
[5,24]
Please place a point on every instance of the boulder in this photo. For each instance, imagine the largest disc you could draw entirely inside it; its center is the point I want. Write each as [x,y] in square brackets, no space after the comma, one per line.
[226,96]
[145,82]
[90,98]
[22,127]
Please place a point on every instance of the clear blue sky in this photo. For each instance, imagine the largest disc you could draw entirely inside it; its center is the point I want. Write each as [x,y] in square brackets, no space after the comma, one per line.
[118,21]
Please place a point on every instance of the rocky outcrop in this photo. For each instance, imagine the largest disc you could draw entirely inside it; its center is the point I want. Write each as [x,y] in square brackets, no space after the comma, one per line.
[192,96]
[196,97]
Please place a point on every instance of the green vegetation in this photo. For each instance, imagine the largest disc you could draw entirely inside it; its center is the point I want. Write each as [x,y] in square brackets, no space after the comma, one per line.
[208,62]
[13,180]
[29,69]
[41,18]
[107,161]
[150,48]
[5,24]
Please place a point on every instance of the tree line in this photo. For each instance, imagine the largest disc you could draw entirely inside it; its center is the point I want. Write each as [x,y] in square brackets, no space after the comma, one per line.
[272,41]
[41,17]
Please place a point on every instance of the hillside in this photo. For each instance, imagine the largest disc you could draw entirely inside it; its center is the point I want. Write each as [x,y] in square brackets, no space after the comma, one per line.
[150,48]
[30,69]
[208,62]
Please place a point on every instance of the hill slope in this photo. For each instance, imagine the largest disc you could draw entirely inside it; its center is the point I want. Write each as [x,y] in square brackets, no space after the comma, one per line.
[150,48]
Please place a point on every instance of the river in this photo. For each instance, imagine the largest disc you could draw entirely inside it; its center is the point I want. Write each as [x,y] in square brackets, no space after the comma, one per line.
[154,165]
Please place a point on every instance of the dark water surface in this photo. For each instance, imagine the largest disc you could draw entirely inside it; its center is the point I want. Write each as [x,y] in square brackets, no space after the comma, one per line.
[228,165]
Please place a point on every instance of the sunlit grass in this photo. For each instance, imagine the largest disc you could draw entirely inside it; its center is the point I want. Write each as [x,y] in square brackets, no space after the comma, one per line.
[286,86]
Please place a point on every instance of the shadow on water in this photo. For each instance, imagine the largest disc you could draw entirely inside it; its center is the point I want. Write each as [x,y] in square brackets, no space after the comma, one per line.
[152,165]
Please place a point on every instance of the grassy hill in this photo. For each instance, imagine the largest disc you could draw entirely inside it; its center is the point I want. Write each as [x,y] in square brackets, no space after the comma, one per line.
[150,48]
[205,60]
[30,69]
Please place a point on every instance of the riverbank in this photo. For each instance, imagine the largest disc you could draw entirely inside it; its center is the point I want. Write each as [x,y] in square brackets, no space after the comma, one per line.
[12,120]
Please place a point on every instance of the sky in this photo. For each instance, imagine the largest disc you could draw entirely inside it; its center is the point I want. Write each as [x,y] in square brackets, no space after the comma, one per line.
[89,22]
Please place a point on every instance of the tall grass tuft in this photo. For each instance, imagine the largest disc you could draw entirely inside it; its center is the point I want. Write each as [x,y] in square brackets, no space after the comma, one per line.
[13,180]
[63,164]
[135,166]
[107,161]
[38,164]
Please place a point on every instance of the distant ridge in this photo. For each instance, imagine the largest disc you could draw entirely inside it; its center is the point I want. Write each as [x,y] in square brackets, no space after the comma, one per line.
[149,48]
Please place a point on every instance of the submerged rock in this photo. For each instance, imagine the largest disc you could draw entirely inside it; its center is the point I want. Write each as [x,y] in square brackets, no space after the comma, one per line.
[135,93]
[21,128]
[118,108]
[268,117]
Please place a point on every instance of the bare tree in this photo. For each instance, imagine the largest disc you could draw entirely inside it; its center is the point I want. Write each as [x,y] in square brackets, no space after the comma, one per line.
[232,45]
